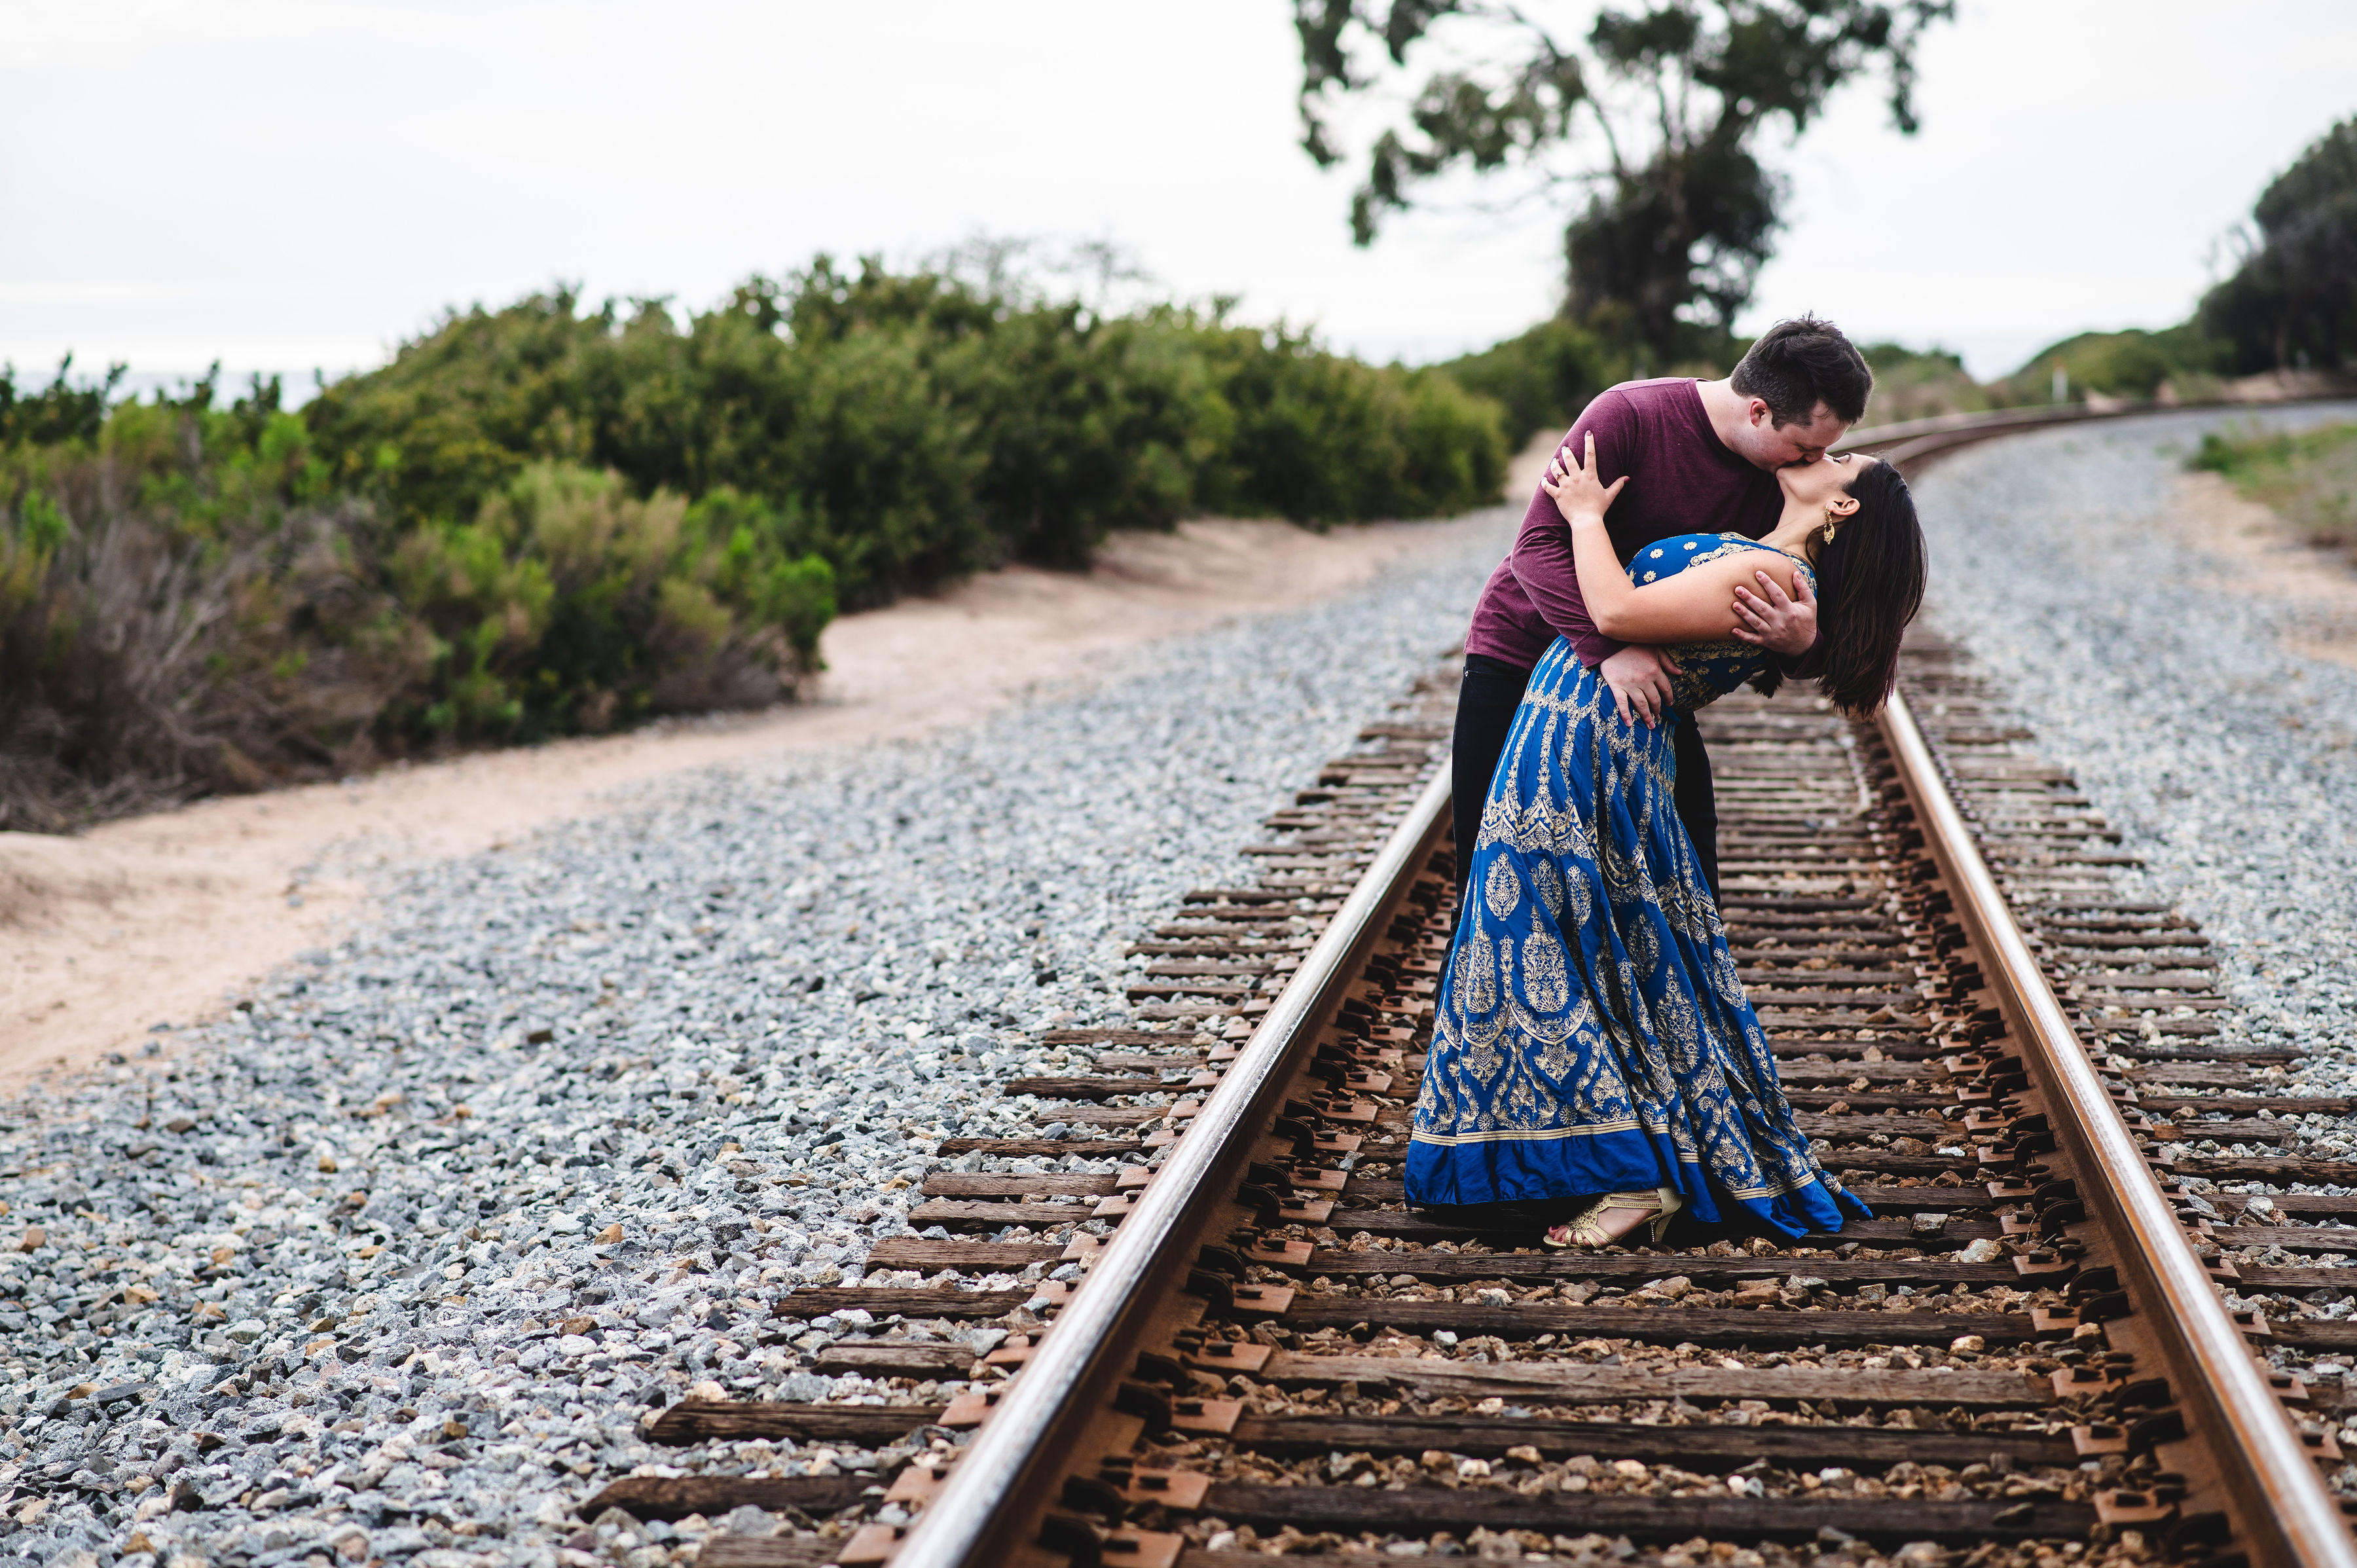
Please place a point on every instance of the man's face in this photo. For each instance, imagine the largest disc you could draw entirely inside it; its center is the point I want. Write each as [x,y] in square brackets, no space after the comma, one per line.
[1766,446]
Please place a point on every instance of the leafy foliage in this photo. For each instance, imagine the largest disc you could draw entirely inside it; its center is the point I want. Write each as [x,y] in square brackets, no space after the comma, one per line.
[1679,212]
[1916,384]
[188,603]
[2309,477]
[182,607]
[2133,363]
[1544,377]
[59,412]
[910,427]
[2293,302]
[550,519]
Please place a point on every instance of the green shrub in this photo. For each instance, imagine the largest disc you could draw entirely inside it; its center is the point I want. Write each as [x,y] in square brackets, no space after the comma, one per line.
[545,520]
[1544,377]
[916,427]
[1456,449]
[2309,478]
[757,562]
[2132,364]
[179,614]
[60,411]
[1086,425]
[1322,438]
[1916,384]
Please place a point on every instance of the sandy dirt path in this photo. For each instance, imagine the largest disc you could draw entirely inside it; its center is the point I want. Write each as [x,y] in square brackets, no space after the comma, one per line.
[163,918]
[2268,560]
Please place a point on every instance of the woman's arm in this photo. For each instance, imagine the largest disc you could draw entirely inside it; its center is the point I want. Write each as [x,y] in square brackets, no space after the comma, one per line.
[1695,605]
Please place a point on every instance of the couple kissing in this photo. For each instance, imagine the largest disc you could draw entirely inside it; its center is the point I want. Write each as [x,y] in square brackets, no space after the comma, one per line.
[1593,1050]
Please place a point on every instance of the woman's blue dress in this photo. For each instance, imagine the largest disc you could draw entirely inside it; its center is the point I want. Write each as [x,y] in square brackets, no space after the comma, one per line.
[1591,1034]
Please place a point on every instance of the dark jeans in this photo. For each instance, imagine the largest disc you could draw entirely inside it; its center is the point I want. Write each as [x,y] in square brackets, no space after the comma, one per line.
[1485,714]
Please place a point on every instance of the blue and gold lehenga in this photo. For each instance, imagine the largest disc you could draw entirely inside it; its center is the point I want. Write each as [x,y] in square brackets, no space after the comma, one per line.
[1591,1033]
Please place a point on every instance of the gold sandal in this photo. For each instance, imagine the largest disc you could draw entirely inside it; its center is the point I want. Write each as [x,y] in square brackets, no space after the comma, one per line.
[1585,1230]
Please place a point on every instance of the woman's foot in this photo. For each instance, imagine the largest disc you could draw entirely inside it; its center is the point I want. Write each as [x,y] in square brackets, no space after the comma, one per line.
[1614,1217]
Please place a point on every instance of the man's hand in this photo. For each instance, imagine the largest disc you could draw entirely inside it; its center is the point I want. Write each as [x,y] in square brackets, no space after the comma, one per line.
[1640,679]
[1781,625]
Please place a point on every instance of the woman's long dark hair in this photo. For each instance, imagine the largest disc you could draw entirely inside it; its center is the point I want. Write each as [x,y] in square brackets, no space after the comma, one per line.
[1870,585]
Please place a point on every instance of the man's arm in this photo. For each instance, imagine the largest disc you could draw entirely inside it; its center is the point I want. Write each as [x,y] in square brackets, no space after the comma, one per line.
[1542,562]
[1687,607]
[1542,557]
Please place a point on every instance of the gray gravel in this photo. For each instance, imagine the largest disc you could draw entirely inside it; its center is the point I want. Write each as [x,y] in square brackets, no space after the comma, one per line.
[390,1265]
[2226,757]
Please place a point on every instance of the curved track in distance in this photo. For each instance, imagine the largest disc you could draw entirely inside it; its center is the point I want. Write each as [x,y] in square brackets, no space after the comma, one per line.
[1225,1329]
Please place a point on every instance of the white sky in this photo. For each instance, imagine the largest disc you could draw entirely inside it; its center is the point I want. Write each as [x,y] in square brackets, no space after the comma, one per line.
[285,184]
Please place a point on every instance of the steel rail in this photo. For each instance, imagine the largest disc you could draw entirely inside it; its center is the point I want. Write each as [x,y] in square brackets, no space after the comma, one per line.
[1906,440]
[2281,1504]
[989,1509]
[969,1523]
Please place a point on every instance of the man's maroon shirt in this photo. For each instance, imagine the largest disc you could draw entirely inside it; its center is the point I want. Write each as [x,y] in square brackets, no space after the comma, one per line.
[1684,479]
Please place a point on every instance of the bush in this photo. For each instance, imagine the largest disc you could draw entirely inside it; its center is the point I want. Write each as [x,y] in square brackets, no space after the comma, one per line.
[1911,384]
[914,426]
[1320,438]
[545,520]
[2308,477]
[571,605]
[2130,364]
[185,607]
[1543,378]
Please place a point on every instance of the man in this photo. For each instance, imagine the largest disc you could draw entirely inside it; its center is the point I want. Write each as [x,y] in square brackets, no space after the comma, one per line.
[1703,457]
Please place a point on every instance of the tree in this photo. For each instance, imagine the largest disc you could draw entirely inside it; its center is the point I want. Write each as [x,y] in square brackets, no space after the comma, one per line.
[1653,118]
[2293,302]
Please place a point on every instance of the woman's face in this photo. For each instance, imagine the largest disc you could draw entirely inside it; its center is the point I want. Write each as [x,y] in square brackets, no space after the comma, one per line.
[1825,482]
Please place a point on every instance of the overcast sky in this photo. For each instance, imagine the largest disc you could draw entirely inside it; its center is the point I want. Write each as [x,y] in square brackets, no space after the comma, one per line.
[290,184]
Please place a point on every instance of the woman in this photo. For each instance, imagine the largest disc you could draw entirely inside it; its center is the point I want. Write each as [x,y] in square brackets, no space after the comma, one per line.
[1591,1036]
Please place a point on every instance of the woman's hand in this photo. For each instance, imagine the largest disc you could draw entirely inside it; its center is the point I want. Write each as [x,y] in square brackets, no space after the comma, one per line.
[1573,486]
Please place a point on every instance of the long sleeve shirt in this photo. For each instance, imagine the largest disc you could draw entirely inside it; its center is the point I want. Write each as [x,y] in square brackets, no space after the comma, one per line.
[1682,479]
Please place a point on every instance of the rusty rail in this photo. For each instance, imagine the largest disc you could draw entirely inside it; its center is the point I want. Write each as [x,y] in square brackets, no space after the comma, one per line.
[1907,439]
[2282,1507]
[990,1510]
[1071,1460]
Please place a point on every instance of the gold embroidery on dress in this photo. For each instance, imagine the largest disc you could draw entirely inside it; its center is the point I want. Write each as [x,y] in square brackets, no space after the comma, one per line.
[1473,983]
[1562,1017]
[1725,979]
[1548,882]
[1503,889]
[1544,980]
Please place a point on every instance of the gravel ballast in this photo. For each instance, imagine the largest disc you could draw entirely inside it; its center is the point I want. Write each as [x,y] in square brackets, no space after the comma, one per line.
[390,1265]
[2189,713]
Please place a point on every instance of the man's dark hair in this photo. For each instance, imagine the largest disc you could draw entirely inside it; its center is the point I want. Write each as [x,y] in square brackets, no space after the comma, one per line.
[1798,364]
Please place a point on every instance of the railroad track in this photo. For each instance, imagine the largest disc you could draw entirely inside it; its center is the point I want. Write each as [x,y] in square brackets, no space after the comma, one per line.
[1224,1332]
